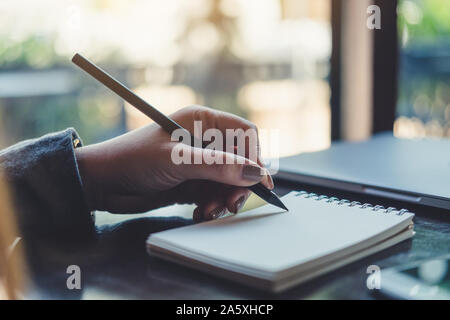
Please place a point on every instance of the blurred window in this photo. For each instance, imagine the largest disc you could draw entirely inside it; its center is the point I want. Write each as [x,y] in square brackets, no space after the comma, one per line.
[423,107]
[266,60]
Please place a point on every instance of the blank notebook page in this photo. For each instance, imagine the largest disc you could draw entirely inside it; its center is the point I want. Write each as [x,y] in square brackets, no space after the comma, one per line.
[269,240]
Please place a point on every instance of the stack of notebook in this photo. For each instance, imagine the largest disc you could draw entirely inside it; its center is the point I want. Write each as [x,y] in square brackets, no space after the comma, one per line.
[274,250]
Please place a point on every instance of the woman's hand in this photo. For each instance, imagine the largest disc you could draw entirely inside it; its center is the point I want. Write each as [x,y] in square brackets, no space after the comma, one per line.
[135,172]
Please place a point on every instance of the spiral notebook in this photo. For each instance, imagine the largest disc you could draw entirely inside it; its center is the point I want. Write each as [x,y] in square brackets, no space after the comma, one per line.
[275,250]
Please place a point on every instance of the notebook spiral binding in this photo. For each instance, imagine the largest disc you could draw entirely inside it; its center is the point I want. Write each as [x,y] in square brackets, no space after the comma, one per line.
[349,203]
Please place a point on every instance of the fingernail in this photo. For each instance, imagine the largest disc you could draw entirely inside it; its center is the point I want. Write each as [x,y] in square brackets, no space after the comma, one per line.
[252,173]
[218,212]
[272,185]
[239,204]
[196,215]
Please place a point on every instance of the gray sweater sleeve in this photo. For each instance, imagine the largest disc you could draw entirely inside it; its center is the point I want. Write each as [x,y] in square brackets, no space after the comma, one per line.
[43,178]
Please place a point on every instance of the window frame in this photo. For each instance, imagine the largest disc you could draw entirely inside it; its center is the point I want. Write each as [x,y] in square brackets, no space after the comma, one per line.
[385,61]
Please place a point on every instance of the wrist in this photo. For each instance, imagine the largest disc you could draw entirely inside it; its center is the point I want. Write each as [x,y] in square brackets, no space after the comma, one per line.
[90,184]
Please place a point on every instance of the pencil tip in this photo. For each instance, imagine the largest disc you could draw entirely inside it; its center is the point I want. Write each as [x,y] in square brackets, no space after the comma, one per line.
[277,202]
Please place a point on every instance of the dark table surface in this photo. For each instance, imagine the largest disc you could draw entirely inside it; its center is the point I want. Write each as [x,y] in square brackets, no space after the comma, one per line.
[116,265]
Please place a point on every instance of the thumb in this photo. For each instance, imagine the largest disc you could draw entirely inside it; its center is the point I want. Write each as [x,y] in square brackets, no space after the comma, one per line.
[223,167]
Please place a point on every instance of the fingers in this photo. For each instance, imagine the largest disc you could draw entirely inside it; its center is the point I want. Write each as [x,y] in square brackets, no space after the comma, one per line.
[213,209]
[236,199]
[236,131]
[219,166]
[239,135]
[210,118]
[226,199]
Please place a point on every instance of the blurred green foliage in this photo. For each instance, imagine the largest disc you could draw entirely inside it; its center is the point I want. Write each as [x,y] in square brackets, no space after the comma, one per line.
[424,77]
[33,116]
[95,117]
[36,52]
[434,18]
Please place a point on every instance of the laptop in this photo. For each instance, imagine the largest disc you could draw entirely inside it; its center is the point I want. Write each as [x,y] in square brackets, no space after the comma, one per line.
[410,170]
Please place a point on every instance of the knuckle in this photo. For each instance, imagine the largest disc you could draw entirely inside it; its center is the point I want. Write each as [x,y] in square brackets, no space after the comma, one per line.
[199,112]
[254,127]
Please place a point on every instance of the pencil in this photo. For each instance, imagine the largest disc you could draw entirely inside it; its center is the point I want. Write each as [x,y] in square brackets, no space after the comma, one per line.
[162,120]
